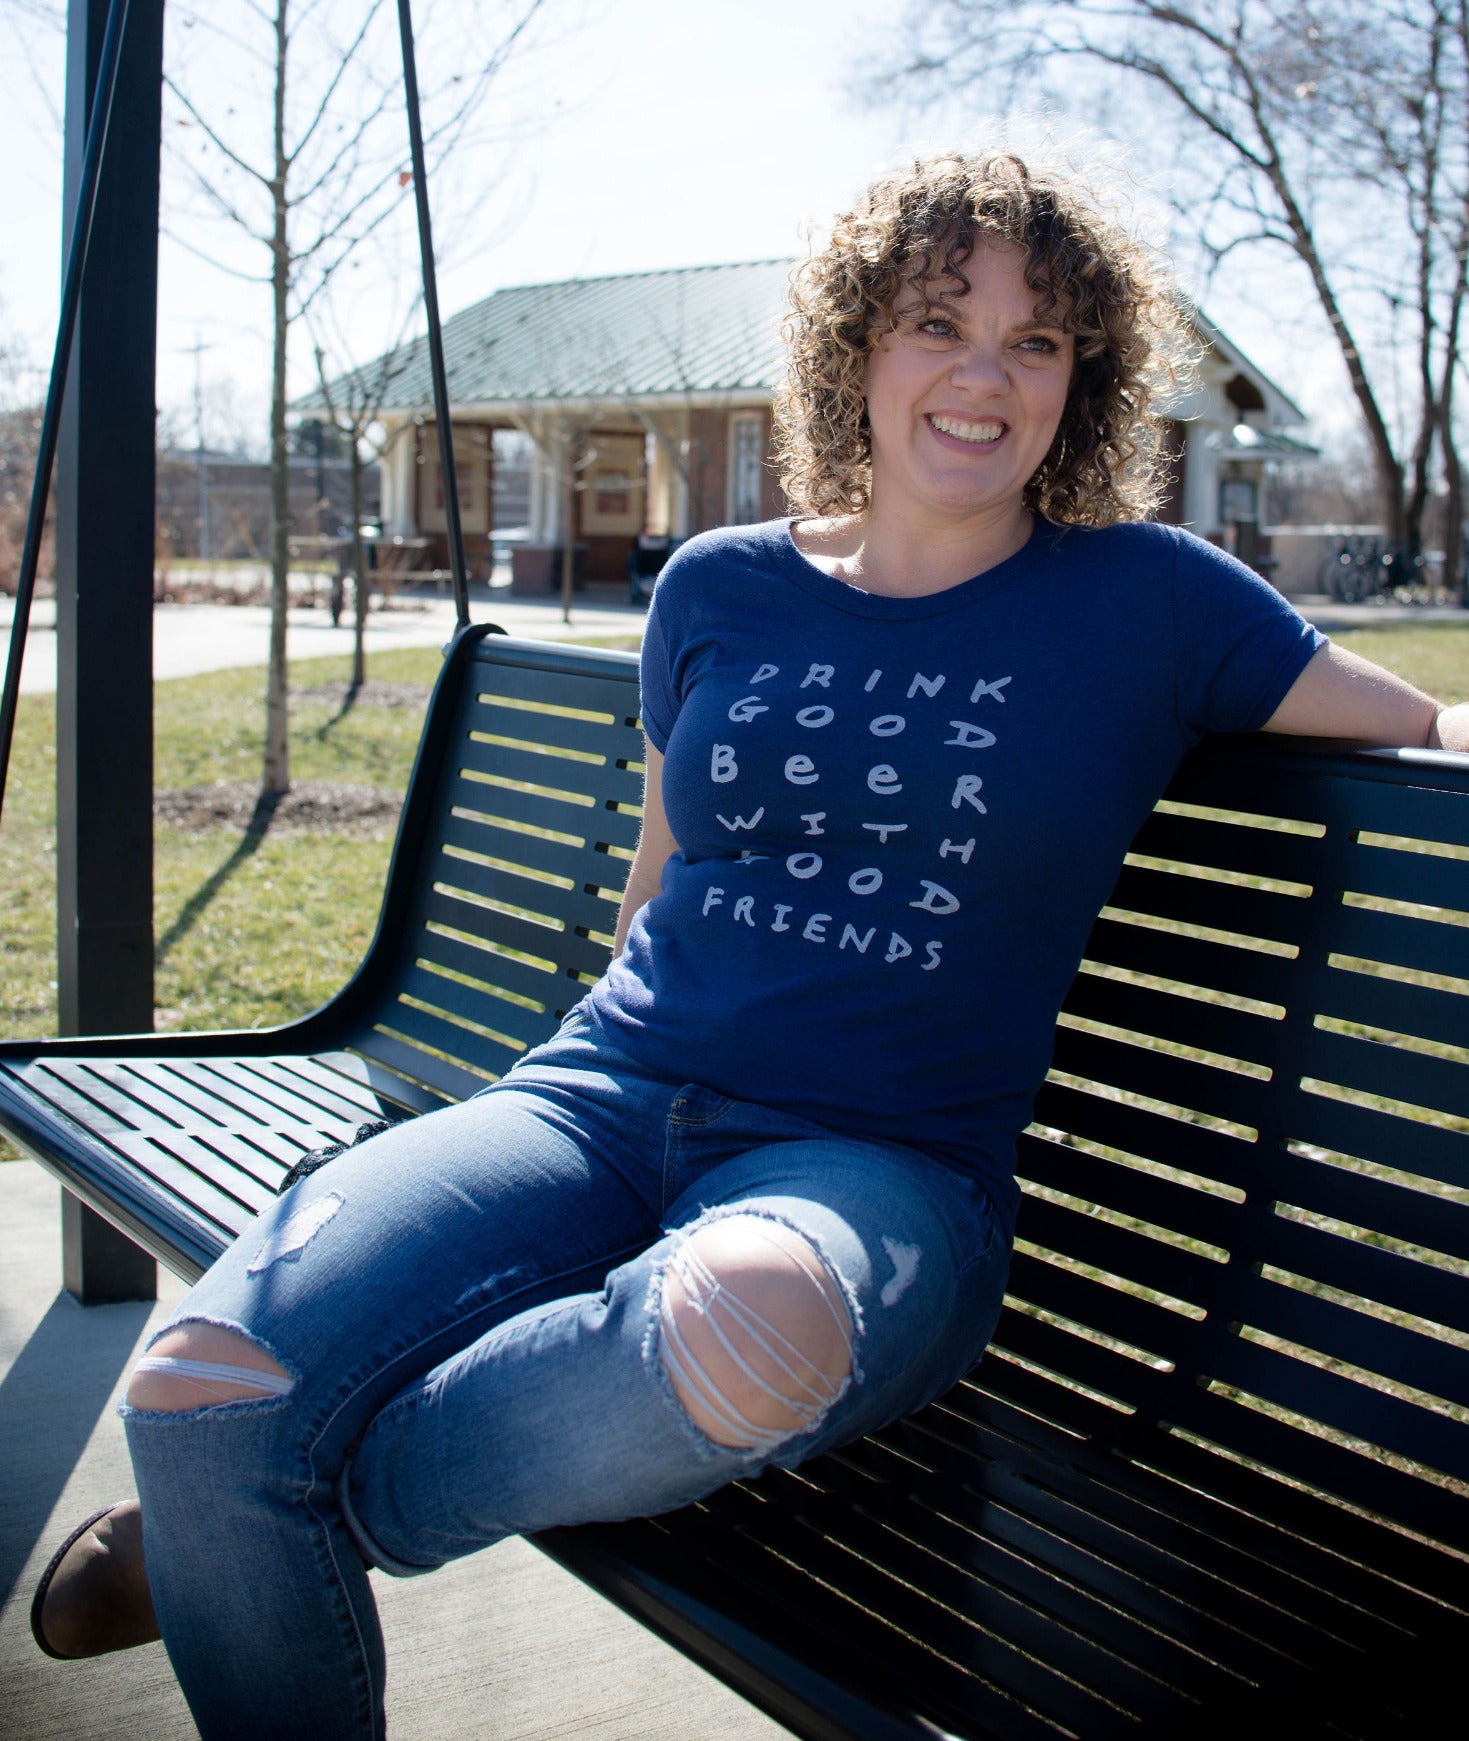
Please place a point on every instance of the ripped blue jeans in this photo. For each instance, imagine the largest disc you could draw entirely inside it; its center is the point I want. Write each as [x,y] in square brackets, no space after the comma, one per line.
[472,1315]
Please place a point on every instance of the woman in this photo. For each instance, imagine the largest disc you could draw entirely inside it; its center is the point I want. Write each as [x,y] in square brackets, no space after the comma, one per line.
[756,1196]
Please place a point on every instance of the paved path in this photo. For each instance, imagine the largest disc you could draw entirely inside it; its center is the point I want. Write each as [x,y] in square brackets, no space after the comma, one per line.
[503,1646]
[1329,617]
[209,637]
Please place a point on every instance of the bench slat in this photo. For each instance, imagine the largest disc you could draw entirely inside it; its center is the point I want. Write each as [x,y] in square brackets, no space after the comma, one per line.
[452,1043]
[522,1026]
[1247,851]
[1192,900]
[1423,944]
[1421,1011]
[1162,1203]
[1230,1160]
[1186,1083]
[1354,1265]
[1183,1021]
[1381,1205]
[1394,1351]
[563,948]
[1090,1240]
[1393,1072]
[1266,1537]
[1087,1299]
[1422,878]
[483,962]
[445,1078]
[1386,1139]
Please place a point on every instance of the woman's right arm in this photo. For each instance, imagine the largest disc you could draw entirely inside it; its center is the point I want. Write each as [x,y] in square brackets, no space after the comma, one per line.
[656,846]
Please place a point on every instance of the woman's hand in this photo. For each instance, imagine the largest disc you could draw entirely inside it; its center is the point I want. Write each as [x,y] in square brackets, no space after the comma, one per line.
[1340,695]
[656,846]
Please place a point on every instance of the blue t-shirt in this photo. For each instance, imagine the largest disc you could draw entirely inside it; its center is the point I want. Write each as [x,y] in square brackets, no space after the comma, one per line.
[898,817]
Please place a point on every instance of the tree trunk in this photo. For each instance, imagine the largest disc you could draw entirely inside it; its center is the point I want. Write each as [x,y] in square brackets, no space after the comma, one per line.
[1454,577]
[359,571]
[276,775]
[1417,502]
[1453,533]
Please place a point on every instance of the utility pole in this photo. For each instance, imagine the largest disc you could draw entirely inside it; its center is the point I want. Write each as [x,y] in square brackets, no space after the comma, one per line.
[201,464]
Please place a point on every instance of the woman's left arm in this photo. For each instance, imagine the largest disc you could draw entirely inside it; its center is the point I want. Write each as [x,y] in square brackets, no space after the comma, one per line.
[1340,695]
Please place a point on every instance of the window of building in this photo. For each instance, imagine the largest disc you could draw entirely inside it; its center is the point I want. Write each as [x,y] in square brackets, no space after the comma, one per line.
[746,466]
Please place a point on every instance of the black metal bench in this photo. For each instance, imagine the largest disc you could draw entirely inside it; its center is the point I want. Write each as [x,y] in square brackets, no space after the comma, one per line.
[1213,1476]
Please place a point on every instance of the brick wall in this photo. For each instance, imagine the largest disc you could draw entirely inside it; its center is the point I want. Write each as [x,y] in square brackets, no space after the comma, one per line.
[708,469]
[709,472]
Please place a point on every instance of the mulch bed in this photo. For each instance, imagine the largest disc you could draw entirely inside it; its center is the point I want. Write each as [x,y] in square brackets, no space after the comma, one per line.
[396,696]
[310,807]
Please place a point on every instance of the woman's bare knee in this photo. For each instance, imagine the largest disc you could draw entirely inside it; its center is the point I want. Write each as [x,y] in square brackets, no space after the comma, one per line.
[756,1337]
[194,1365]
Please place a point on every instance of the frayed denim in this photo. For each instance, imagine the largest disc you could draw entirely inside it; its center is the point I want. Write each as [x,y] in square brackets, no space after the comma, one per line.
[469,1310]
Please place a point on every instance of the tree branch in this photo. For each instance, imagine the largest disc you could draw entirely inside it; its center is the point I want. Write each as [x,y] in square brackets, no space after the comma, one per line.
[213,137]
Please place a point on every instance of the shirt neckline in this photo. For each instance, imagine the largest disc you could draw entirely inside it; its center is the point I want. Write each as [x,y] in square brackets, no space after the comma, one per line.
[857,601]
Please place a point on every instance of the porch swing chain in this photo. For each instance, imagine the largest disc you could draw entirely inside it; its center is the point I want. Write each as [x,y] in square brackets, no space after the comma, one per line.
[81,237]
[447,472]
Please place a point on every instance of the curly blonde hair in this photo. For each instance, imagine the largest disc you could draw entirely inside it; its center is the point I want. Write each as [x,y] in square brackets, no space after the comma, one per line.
[916,229]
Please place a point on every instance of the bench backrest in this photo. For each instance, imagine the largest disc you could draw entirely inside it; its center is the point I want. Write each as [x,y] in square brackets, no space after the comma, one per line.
[1243,1250]
[513,850]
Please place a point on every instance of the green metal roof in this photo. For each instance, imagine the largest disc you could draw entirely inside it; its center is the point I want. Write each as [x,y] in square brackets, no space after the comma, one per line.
[700,329]
[640,335]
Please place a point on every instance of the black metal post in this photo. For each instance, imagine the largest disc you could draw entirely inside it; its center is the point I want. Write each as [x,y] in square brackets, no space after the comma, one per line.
[104,575]
[447,469]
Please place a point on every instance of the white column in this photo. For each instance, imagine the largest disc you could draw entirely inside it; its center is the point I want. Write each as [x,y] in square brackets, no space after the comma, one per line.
[545,480]
[398,484]
[1201,476]
[677,426]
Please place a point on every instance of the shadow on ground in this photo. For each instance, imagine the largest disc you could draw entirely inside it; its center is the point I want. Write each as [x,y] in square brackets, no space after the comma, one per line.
[63,1376]
[198,903]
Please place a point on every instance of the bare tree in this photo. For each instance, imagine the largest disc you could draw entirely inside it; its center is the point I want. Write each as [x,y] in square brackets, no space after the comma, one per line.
[1307,125]
[354,399]
[330,173]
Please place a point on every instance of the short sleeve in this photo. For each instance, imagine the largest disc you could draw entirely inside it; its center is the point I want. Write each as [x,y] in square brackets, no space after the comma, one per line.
[1239,646]
[660,701]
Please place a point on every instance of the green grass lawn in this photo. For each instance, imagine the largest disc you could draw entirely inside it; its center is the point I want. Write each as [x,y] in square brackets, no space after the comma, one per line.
[1435,657]
[262,929]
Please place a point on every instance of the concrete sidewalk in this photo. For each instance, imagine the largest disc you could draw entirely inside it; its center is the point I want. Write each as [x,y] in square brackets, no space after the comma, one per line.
[210,637]
[1330,617]
[503,1646]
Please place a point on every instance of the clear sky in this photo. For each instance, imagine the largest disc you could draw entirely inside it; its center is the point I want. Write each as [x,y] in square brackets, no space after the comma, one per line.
[656,133]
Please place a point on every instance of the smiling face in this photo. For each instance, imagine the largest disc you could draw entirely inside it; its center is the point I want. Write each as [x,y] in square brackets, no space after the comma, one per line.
[964,397]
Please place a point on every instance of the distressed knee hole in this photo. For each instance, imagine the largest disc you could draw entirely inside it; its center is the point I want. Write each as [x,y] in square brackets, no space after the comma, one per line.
[195,1365]
[755,1336]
